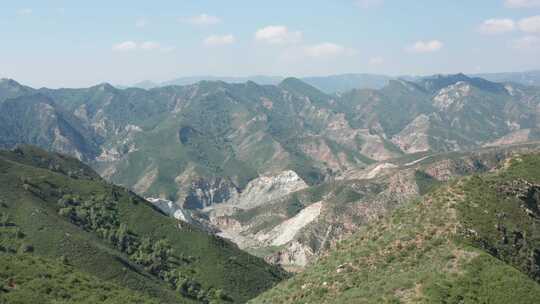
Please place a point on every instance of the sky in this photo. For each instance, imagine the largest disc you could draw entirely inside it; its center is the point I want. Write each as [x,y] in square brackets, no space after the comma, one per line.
[65,43]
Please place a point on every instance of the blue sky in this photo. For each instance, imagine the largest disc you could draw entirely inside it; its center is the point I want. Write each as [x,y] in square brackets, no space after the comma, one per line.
[75,43]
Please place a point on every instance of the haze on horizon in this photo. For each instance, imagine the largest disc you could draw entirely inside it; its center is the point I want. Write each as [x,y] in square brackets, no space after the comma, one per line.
[59,43]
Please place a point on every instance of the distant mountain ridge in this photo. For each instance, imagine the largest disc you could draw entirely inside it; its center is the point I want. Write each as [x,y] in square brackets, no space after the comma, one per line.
[526,78]
[229,133]
[327,84]
[189,80]
[342,82]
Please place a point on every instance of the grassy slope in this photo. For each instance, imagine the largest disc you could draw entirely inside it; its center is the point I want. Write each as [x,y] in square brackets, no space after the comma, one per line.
[447,248]
[30,279]
[211,261]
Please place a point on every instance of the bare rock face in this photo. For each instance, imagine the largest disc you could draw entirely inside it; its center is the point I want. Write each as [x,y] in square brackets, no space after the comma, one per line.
[446,169]
[265,191]
[259,192]
[171,209]
[267,188]
[527,192]
[515,137]
[452,97]
[294,253]
[124,145]
[374,146]
[146,181]
[287,230]
[296,239]
[318,149]
[208,192]
[414,138]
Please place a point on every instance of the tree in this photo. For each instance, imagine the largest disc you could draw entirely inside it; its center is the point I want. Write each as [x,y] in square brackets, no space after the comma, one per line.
[64,260]
[24,248]
[4,220]
[122,235]
[18,233]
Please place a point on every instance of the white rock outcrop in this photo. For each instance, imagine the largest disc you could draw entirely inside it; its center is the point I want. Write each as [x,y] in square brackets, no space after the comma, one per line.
[171,208]
[452,96]
[287,230]
[414,137]
[268,188]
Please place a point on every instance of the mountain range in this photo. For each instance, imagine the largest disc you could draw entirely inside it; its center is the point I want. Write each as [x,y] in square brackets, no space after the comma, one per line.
[212,149]
[342,82]
[212,174]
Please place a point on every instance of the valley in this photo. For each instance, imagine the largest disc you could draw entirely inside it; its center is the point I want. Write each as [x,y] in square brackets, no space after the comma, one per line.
[270,152]
[280,175]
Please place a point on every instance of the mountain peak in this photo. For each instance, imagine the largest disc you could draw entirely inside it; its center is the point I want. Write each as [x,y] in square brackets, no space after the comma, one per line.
[290,81]
[296,85]
[9,83]
[447,76]
[10,88]
[437,82]
[211,84]
[104,86]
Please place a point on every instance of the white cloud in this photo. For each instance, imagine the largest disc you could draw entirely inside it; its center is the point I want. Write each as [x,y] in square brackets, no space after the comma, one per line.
[327,49]
[216,40]
[167,49]
[125,46]
[497,26]
[145,46]
[25,11]
[425,46]
[376,60]
[365,4]
[150,45]
[526,43]
[141,22]
[521,3]
[277,34]
[530,25]
[202,20]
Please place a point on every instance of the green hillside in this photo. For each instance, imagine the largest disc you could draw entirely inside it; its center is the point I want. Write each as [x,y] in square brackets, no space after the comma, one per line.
[475,240]
[30,279]
[54,208]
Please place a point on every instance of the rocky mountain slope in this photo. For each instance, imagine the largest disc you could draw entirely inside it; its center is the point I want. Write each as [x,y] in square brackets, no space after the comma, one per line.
[36,120]
[177,142]
[294,227]
[445,113]
[474,240]
[201,144]
[284,171]
[79,230]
